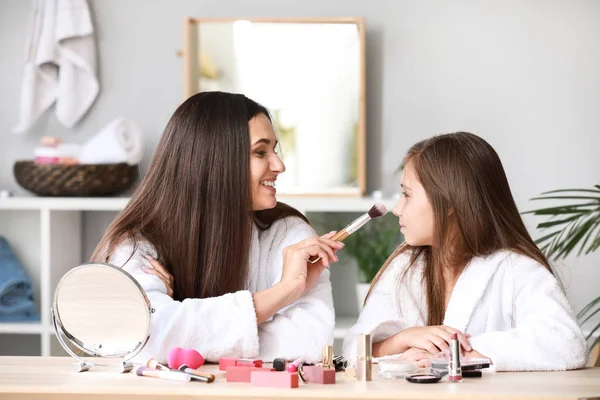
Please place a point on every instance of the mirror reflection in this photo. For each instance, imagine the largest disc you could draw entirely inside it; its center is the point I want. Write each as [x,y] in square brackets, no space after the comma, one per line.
[310,75]
[101,315]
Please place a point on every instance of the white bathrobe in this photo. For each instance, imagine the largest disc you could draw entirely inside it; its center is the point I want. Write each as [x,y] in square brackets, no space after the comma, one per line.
[513,308]
[226,326]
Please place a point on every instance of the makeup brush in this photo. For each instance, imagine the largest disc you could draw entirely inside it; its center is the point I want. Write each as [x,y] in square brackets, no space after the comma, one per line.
[375,212]
[170,375]
[201,376]
[154,364]
[194,374]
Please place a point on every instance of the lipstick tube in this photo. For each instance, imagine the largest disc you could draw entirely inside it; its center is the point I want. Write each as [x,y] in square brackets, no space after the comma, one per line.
[454,370]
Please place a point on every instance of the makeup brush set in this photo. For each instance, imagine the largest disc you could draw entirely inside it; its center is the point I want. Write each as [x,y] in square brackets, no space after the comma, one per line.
[182,366]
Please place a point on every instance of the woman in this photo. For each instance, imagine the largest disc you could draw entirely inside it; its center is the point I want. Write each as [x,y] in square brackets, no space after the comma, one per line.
[235,281]
[469,267]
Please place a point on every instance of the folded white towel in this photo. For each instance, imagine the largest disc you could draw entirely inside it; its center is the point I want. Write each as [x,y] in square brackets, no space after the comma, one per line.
[119,141]
[60,63]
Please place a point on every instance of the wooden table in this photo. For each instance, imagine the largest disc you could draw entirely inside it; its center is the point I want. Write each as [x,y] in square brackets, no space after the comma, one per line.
[53,378]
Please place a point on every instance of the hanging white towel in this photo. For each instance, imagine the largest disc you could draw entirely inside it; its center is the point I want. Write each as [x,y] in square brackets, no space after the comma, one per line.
[60,63]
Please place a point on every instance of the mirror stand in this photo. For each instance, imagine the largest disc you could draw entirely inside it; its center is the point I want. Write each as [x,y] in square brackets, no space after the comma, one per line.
[82,365]
[101,317]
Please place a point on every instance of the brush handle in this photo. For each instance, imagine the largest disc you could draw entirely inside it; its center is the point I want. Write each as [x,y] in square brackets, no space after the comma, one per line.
[155,373]
[338,237]
[197,375]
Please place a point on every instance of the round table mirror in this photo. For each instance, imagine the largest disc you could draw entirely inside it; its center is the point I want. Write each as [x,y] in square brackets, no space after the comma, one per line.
[101,316]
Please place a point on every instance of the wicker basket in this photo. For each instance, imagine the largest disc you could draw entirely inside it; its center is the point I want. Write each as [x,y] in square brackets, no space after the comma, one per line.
[75,180]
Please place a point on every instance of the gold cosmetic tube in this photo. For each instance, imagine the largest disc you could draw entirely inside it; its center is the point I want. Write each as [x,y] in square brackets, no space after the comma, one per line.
[363,358]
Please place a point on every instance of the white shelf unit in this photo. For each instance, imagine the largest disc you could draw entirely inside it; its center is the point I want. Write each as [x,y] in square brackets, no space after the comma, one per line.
[46,235]
[303,203]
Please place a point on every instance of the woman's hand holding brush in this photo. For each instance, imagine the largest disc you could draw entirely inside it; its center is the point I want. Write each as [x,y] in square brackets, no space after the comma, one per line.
[299,274]
[376,211]
[304,262]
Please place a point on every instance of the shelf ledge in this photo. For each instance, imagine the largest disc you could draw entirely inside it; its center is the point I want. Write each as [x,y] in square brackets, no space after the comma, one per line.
[302,203]
[24,328]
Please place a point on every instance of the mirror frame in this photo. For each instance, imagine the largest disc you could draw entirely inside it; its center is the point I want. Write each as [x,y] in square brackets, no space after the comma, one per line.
[190,86]
[61,333]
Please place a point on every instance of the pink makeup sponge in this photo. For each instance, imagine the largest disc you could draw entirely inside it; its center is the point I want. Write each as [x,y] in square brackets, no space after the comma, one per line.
[190,357]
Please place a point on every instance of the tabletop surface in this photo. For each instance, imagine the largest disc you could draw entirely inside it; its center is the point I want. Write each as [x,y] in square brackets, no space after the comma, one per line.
[54,378]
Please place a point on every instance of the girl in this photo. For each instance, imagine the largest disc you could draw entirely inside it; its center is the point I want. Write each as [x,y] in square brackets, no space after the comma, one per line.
[468,266]
[222,262]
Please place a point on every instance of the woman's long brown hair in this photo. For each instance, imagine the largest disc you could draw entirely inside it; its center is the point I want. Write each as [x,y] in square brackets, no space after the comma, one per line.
[194,205]
[474,211]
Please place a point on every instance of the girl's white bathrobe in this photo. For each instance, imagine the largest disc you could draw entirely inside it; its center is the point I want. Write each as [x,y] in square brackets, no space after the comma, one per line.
[226,326]
[513,308]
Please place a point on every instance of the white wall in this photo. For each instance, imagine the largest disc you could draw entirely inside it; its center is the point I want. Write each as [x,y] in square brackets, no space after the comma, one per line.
[523,74]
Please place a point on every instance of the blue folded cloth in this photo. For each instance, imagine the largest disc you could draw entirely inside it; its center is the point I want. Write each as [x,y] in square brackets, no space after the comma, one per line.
[16,293]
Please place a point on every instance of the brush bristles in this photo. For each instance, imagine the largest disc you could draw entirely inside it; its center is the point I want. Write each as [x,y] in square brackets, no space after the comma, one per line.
[154,364]
[377,210]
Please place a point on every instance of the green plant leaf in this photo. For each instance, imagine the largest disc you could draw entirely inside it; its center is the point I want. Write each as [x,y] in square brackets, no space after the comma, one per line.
[590,316]
[571,209]
[566,198]
[575,238]
[595,244]
[574,190]
[544,238]
[557,222]
[587,238]
[576,229]
[557,243]
[592,332]
[588,307]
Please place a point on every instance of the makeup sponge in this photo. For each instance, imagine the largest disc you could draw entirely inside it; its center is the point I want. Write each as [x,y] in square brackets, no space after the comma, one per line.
[190,357]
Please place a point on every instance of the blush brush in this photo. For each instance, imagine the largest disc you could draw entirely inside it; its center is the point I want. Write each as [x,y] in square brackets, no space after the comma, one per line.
[376,211]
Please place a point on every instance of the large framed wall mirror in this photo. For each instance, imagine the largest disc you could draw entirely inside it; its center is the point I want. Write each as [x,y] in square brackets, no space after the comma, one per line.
[310,74]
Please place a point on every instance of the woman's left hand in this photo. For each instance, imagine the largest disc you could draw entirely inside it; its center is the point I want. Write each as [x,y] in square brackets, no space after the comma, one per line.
[160,271]
[422,357]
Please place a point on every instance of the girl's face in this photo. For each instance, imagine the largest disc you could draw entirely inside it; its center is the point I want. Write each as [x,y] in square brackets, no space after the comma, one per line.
[414,210]
[265,164]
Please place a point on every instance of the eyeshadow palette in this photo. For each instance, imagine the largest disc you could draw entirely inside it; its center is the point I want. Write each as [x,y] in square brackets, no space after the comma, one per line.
[467,364]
